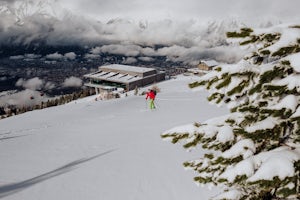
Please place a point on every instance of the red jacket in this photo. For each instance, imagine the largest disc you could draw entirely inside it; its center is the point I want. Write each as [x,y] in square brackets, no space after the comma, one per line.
[150,95]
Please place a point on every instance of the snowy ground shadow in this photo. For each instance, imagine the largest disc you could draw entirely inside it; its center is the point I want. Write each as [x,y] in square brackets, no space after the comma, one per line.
[13,188]
[12,137]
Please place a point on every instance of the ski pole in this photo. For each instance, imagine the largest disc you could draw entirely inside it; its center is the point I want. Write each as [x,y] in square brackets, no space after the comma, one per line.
[156,104]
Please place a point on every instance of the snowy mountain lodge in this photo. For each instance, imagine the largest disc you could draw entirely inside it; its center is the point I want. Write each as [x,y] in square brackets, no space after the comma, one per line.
[207,65]
[202,68]
[111,77]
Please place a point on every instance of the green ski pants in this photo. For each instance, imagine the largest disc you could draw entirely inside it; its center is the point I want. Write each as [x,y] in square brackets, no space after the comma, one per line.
[151,103]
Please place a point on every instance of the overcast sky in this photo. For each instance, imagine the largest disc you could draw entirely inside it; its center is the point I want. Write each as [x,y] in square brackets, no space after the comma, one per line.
[251,10]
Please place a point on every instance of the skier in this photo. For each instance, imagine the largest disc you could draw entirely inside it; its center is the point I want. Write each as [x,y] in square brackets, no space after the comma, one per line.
[151,95]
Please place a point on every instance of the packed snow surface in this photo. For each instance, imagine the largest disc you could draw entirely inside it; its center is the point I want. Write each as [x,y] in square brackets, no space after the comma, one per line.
[108,150]
[295,61]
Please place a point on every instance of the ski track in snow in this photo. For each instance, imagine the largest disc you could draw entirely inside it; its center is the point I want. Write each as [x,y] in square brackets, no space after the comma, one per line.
[6,190]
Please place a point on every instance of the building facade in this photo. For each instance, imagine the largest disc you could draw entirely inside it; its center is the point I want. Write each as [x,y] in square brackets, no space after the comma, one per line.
[207,65]
[112,77]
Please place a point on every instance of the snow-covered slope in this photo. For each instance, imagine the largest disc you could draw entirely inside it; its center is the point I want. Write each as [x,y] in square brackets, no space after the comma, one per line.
[102,149]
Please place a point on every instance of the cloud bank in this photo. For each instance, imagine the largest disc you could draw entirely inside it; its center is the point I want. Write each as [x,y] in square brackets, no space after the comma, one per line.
[181,31]
[72,82]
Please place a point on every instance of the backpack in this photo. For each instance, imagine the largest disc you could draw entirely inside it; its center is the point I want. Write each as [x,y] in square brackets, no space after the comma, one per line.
[154,92]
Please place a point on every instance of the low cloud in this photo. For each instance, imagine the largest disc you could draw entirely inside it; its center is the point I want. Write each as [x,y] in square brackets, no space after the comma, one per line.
[54,56]
[29,56]
[18,57]
[146,59]
[91,56]
[70,56]
[95,50]
[49,85]
[25,98]
[58,56]
[29,96]
[32,56]
[126,50]
[130,60]
[20,82]
[179,42]
[72,82]
[175,53]
[35,84]
[32,84]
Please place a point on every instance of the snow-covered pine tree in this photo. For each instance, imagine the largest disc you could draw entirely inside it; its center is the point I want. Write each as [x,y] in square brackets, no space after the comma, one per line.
[253,152]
